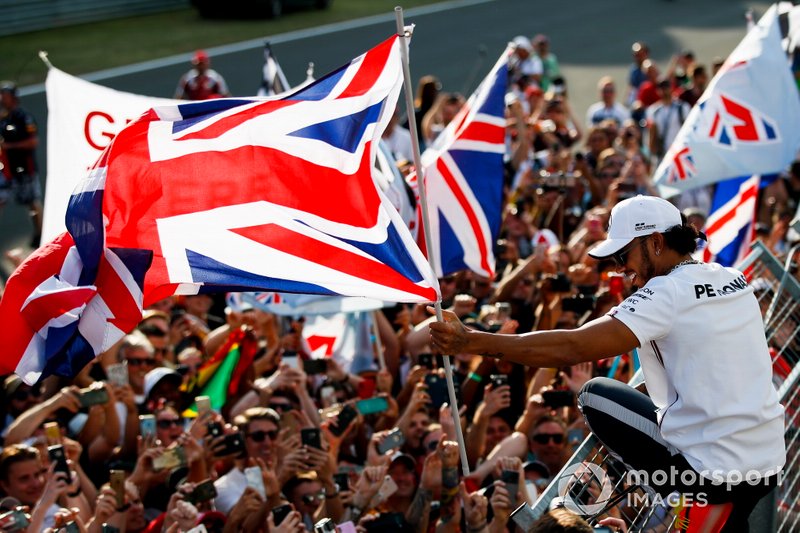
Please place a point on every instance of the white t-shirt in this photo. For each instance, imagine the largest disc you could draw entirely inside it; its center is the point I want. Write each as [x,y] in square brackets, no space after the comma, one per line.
[708,370]
[598,112]
[399,142]
[668,119]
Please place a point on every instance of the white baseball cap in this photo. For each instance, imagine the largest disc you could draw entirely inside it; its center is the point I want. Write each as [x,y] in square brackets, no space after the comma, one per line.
[636,217]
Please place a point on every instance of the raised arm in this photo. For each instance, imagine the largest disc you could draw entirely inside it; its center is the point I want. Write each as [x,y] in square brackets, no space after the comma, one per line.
[600,338]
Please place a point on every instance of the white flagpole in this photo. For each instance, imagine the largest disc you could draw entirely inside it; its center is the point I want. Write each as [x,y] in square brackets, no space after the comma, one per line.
[412,126]
[377,343]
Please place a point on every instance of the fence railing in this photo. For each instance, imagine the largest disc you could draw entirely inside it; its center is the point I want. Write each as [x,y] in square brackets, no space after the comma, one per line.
[596,483]
[30,15]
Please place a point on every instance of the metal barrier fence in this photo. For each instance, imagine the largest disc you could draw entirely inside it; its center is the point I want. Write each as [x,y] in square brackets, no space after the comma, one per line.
[596,483]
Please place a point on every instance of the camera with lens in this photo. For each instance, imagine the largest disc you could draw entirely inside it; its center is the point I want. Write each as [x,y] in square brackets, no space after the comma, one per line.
[555,181]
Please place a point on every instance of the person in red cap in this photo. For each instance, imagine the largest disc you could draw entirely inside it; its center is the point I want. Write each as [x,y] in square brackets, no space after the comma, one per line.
[201,82]
[710,426]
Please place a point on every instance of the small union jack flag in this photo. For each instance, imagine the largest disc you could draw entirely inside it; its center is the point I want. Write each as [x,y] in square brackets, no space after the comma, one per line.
[463,172]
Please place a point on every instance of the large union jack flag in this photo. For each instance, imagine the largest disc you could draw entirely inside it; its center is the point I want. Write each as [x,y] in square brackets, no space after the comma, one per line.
[255,194]
[463,172]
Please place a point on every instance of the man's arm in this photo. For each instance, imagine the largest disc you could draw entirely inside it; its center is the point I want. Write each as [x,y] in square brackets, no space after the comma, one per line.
[600,338]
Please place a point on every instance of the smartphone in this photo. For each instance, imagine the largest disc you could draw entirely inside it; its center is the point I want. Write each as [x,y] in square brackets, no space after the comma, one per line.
[327,395]
[498,380]
[560,283]
[616,284]
[371,406]
[558,398]
[255,480]
[280,512]
[342,480]
[366,388]
[345,418]
[579,304]
[524,517]
[92,396]
[69,527]
[52,433]
[105,528]
[388,488]
[15,520]
[59,457]
[172,458]
[147,425]
[118,374]
[203,492]
[511,479]
[326,525]
[203,405]
[232,444]
[315,366]
[437,390]
[290,358]
[425,360]
[117,482]
[311,437]
[386,522]
[393,440]
[214,429]
[503,311]
[346,527]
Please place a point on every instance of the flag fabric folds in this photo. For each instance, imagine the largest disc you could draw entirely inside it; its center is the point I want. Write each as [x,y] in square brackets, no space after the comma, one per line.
[730,225]
[746,121]
[463,172]
[57,314]
[269,194]
[220,376]
[272,79]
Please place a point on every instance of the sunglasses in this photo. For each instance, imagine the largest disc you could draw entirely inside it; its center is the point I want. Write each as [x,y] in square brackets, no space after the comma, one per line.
[310,499]
[448,280]
[281,407]
[544,438]
[168,423]
[141,362]
[21,395]
[260,435]
[621,257]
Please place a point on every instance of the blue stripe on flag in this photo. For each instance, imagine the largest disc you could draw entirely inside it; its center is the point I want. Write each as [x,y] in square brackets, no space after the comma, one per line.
[345,132]
[393,253]
[210,271]
[451,249]
[84,221]
[495,102]
[321,88]
[196,112]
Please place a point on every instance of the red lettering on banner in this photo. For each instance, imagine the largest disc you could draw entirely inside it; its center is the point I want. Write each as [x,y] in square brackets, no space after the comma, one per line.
[87,124]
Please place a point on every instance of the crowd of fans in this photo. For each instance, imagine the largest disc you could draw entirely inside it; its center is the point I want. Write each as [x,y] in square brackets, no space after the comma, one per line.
[127,445]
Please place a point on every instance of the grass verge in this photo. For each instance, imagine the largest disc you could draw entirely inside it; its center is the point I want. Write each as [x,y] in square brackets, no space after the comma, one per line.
[95,46]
